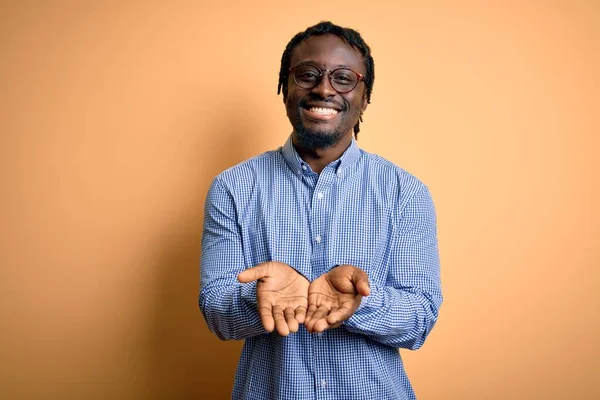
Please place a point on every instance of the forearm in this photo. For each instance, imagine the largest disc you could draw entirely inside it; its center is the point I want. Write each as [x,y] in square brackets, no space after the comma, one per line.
[401,318]
[229,309]
[403,308]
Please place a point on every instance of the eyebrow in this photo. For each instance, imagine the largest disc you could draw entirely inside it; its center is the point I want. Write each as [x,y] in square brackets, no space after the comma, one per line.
[310,62]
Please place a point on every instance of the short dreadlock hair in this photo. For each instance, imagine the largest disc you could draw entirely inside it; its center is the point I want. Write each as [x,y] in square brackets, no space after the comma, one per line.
[350,36]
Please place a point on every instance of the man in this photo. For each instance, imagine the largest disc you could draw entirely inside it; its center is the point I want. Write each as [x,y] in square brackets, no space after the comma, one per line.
[323,257]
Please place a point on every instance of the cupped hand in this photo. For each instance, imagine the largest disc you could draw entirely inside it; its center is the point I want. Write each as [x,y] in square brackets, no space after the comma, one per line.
[281,294]
[334,297]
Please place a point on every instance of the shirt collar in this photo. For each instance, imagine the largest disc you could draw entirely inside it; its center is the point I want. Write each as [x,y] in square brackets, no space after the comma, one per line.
[295,162]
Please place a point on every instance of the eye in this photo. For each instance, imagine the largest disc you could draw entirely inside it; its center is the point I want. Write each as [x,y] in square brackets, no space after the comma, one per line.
[344,77]
[308,75]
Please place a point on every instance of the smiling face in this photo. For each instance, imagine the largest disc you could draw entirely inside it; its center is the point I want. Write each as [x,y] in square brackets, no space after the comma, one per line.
[322,117]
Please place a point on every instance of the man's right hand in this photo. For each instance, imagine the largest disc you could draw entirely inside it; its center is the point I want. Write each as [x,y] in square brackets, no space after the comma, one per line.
[281,293]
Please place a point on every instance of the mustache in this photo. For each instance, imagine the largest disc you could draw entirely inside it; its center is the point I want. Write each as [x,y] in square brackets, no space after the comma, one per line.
[313,98]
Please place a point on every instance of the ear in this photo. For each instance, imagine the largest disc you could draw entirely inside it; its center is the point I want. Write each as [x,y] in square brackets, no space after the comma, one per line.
[365,103]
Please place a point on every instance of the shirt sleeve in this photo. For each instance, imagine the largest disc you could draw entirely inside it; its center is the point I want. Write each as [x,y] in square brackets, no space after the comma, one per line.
[229,307]
[403,312]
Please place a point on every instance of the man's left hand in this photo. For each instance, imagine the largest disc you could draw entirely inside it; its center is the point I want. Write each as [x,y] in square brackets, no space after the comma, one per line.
[334,297]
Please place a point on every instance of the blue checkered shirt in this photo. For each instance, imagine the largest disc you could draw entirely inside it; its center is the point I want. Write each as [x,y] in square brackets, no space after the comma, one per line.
[360,210]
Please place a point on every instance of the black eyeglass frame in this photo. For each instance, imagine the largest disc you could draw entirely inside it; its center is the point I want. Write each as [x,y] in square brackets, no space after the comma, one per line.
[359,77]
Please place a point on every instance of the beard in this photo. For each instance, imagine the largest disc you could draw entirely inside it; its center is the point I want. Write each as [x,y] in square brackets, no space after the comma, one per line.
[313,139]
[316,139]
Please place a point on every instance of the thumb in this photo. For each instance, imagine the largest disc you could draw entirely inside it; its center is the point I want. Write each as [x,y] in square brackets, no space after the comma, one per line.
[253,274]
[360,280]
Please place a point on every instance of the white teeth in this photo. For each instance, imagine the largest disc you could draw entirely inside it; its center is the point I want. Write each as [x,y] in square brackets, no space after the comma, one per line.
[324,111]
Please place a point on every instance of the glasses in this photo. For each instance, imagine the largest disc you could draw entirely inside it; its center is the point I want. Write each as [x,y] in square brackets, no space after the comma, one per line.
[308,76]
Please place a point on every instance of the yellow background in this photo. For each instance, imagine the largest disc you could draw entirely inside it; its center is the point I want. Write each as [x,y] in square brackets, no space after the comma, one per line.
[115,116]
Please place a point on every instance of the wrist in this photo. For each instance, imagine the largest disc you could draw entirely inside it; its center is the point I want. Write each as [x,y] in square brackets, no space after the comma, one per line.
[248,292]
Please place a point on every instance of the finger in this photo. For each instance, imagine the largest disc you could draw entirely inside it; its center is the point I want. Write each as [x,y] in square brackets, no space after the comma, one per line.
[333,316]
[318,315]
[280,325]
[331,310]
[253,274]
[290,319]
[321,312]
[266,316]
[320,326]
[309,314]
[361,282]
[335,325]
[339,315]
[301,314]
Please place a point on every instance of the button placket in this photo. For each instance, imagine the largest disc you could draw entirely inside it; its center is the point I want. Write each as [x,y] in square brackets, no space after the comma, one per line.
[321,362]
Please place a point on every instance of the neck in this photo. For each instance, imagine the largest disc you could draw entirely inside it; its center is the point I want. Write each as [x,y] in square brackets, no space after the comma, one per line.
[318,159]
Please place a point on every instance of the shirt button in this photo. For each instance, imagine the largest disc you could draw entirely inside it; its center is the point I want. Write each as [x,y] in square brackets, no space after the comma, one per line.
[318,238]
[320,334]
[320,195]
[323,383]
[339,172]
[304,167]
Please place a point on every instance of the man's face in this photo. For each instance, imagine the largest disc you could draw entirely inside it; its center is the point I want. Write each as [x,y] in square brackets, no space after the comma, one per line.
[321,116]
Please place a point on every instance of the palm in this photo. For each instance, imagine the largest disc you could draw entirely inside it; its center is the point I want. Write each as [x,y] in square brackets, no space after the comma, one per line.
[324,293]
[332,298]
[284,291]
[281,294]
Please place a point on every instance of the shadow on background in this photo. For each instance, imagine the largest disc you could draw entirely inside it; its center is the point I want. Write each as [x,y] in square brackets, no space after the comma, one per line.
[188,361]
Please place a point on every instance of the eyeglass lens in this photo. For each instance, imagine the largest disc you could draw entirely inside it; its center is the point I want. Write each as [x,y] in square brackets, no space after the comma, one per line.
[342,79]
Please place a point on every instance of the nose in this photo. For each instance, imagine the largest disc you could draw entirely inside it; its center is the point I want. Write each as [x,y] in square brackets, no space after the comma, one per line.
[324,88]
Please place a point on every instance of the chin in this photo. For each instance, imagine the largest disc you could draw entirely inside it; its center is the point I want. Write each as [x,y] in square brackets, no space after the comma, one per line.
[314,139]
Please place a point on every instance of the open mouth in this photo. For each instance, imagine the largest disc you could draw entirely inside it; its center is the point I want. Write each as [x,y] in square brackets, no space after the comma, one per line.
[321,113]
[323,110]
